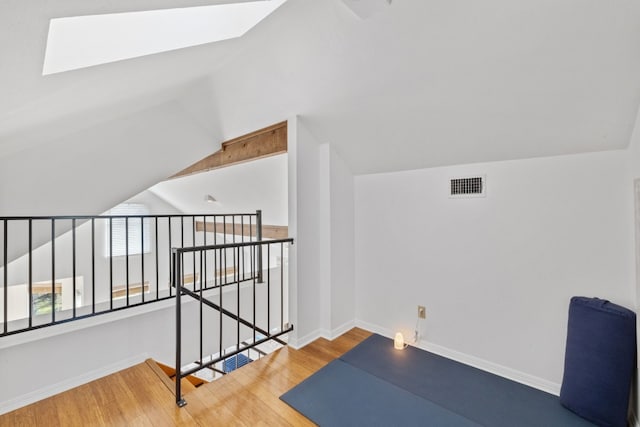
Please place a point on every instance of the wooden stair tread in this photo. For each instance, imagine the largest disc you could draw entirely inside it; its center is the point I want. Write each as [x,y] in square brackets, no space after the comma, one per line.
[168,376]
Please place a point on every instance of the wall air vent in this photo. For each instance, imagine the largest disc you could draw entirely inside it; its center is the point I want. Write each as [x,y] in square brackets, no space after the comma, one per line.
[474,186]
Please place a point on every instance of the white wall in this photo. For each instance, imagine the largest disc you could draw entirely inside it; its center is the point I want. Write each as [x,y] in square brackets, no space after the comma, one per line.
[342,245]
[321,222]
[309,226]
[495,273]
[322,228]
[633,154]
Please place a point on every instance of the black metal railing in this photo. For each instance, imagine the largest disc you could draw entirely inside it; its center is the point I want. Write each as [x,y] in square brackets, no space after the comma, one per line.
[246,295]
[57,269]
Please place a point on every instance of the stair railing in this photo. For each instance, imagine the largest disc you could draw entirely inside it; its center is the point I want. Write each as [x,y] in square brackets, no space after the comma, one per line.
[245,289]
[57,269]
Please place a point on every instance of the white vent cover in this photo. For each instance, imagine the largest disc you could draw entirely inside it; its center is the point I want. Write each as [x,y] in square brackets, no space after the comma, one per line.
[465,187]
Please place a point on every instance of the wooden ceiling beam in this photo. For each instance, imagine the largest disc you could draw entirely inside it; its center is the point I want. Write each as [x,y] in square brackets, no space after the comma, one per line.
[266,142]
[268,231]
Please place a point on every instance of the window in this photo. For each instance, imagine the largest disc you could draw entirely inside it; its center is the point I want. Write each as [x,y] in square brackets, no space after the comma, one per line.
[138,233]
[42,298]
[83,41]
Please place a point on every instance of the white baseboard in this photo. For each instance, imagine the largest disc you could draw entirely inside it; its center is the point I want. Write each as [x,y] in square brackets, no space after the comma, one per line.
[345,327]
[476,362]
[51,390]
[298,343]
[494,368]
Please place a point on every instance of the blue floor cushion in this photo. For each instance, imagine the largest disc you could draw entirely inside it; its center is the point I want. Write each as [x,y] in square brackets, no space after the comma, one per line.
[599,361]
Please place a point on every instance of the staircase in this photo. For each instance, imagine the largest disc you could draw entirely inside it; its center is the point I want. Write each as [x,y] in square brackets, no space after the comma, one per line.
[233,287]
[250,315]
[139,396]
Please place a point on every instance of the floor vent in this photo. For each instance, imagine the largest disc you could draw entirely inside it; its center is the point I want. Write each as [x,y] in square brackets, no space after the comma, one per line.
[468,187]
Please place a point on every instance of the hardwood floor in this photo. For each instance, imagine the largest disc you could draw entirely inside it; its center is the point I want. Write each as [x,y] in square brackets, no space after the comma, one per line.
[137,397]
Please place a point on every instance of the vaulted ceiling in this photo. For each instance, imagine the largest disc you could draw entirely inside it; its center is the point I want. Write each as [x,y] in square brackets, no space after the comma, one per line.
[242,188]
[421,83]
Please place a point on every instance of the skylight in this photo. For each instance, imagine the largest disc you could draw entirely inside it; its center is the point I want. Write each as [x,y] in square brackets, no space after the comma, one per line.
[82,41]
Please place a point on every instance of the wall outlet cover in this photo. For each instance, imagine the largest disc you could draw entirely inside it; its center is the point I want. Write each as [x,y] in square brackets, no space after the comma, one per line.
[422,312]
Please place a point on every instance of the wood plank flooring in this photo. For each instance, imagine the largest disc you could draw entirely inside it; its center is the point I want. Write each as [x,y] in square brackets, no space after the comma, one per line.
[137,397]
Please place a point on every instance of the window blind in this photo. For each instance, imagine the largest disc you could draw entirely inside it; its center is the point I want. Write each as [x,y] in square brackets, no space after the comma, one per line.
[138,236]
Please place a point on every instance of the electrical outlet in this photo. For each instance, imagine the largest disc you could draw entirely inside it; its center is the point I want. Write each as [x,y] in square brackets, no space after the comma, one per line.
[422,312]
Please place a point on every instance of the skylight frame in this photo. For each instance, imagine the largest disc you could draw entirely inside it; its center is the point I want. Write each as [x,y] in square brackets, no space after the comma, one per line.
[84,41]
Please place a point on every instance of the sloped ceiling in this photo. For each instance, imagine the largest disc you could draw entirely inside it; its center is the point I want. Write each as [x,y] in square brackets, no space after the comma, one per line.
[242,188]
[422,83]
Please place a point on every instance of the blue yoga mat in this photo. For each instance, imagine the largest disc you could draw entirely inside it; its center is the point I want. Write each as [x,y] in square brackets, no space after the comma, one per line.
[342,395]
[457,393]
[486,398]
